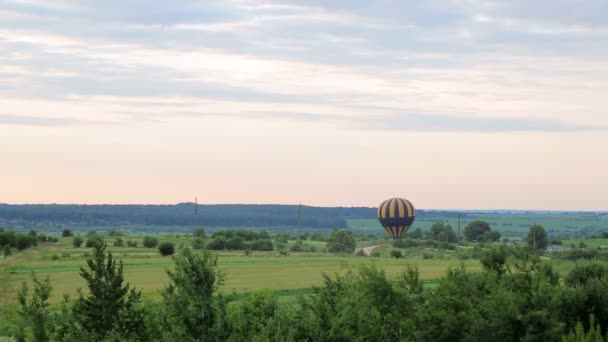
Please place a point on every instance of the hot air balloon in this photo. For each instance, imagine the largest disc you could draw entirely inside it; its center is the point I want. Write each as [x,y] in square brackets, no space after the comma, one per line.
[396,215]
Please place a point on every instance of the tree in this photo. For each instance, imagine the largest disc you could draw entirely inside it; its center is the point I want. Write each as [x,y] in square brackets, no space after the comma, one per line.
[150,242]
[197,243]
[199,232]
[537,237]
[395,253]
[166,248]
[118,242]
[66,233]
[77,241]
[190,297]
[341,241]
[110,305]
[495,260]
[490,236]
[442,232]
[35,311]
[474,231]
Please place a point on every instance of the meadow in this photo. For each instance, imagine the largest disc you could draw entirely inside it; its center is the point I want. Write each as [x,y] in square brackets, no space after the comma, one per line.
[288,275]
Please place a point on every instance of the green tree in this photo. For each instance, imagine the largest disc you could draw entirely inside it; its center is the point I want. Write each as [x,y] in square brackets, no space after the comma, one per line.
[110,306]
[190,297]
[474,231]
[537,237]
[66,233]
[199,232]
[442,232]
[118,242]
[166,248]
[494,260]
[395,253]
[150,242]
[35,310]
[77,241]
[341,241]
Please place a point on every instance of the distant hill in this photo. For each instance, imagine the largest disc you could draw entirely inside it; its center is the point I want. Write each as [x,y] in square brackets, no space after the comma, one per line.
[179,215]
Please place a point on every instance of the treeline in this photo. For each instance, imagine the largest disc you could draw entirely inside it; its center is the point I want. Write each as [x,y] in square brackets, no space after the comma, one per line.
[180,215]
[516,297]
[20,241]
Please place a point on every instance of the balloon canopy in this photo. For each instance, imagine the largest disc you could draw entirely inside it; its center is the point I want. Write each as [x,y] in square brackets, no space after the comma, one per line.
[396,215]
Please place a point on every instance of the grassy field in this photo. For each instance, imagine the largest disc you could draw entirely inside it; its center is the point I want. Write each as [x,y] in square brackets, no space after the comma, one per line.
[145,269]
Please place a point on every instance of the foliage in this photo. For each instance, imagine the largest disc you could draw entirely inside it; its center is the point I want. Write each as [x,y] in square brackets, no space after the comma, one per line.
[198,243]
[190,297]
[131,243]
[35,310]
[537,237]
[110,306]
[442,232]
[150,242]
[118,242]
[166,248]
[341,241]
[66,233]
[77,241]
[395,253]
[198,232]
[475,230]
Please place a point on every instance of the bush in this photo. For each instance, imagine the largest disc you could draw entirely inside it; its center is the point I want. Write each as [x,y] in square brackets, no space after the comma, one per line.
[427,255]
[93,240]
[150,242]
[395,253]
[199,232]
[261,245]
[218,243]
[77,242]
[197,243]
[131,243]
[118,242]
[166,248]
[66,233]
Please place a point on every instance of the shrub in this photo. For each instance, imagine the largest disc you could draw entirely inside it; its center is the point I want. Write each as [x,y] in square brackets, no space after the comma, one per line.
[261,245]
[66,233]
[118,242]
[375,254]
[131,243]
[427,255]
[395,253]
[150,242]
[77,241]
[197,243]
[166,248]
[54,257]
[93,240]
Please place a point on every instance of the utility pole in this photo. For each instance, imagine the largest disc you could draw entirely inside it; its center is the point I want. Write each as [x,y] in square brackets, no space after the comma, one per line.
[299,221]
[458,242]
[195,212]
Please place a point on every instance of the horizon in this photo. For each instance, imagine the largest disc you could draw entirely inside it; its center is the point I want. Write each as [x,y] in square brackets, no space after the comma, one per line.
[313,206]
[460,104]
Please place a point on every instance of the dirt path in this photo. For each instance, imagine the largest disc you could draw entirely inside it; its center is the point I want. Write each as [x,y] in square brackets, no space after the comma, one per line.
[366,250]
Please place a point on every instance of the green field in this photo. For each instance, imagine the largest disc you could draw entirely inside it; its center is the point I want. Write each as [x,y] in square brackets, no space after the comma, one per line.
[145,269]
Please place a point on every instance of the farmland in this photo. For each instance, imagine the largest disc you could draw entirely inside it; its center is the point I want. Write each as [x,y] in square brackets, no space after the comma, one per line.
[146,269]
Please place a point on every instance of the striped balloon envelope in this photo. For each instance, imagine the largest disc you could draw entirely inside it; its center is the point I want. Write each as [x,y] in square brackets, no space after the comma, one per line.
[396,215]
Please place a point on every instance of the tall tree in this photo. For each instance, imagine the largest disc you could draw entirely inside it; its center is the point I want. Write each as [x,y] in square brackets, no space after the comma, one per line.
[110,305]
[190,297]
[474,231]
[537,237]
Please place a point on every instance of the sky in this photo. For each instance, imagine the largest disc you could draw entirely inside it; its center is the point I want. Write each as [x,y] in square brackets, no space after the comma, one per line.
[452,104]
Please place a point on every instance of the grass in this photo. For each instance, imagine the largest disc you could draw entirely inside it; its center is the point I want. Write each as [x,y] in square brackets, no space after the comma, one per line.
[288,276]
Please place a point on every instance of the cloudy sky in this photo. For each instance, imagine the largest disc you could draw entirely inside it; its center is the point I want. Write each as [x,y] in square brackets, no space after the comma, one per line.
[459,104]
